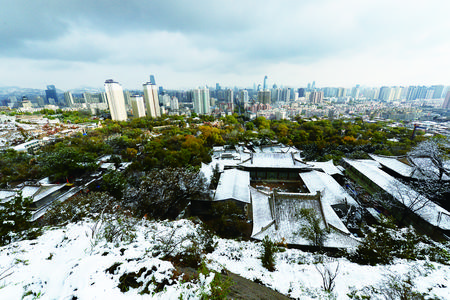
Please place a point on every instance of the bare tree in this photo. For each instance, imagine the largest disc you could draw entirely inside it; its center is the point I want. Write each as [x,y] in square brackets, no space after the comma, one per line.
[428,159]
[401,197]
[328,274]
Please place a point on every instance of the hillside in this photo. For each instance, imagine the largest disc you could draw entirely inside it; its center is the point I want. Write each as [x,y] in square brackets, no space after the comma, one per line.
[130,259]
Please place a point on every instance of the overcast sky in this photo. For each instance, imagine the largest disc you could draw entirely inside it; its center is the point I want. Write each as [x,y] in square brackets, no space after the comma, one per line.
[186,44]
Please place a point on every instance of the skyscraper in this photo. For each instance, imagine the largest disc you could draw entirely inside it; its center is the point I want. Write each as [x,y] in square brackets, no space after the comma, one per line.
[151,100]
[201,101]
[265,83]
[50,93]
[446,104]
[116,101]
[137,103]
[316,97]
[68,98]
[438,90]
[152,79]
[244,96]
[264,97]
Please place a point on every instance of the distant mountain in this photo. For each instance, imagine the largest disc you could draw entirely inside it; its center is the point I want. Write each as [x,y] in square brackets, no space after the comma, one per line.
[87,89]
[14,90]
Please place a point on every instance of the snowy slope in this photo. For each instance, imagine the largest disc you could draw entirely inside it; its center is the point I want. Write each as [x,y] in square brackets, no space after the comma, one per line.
[69,262]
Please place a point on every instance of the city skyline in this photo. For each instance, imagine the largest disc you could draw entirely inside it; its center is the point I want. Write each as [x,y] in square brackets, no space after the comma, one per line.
[335,43]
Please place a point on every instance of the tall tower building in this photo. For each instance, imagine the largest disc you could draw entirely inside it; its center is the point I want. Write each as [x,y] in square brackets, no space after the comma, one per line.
[316,97]
[50,93]
[151,100]
[201,101]
[264,97]
[152,79]
[265,83]
[68,98]
[116,101]
[438,90]
[446,104]
[244,96]
[137,103]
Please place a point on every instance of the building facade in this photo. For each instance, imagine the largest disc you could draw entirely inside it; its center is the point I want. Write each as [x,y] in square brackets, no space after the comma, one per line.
[137,104]
[152,100]
[201,101]
[116,101]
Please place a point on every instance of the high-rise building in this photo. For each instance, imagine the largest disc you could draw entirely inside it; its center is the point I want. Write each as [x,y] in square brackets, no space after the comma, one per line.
[438,90]
[174,104]
[137,104]
[68,98]
[116,101]
[316,97]
[202,101]
[446,104]
[152,79]
[50,93]
[151,100]
[244,96]
[264,97]
[386,93]
[229,96]
[265,83]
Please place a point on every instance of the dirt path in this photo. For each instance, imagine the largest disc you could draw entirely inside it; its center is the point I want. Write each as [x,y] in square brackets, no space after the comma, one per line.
[249,290]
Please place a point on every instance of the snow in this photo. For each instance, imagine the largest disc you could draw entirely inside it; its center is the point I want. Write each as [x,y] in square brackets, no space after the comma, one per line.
[431,212]
[283,224]
[394,164]
[233,184]
[335,194]
[274,160]
[262,215]
[70,261]
[327,166]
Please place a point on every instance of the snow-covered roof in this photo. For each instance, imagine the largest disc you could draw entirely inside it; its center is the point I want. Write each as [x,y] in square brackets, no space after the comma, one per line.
[327,166]
[334,193]
[262,215]
[288,223]
[394,164]
[233,184]
[274,161]
[431,212]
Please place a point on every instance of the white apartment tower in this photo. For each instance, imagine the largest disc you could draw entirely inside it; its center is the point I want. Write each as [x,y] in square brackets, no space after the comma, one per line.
[116,101]
[151,100]
[201,101]
[137,103]
[68,98]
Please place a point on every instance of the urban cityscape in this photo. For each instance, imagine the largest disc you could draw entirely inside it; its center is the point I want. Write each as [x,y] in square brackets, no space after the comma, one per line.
[224,150]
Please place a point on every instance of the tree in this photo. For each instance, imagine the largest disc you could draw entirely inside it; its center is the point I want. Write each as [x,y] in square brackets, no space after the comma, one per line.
[313,230]
[114,182]
[66,161]
[164,194]
[402,198]
[15,216]
[428,157]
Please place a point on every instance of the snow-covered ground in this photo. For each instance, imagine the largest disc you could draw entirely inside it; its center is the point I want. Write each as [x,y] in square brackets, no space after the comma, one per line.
[76,262]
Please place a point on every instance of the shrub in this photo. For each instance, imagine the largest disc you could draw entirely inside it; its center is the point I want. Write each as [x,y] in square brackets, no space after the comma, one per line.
[386,241]
[79,207]
[268,254]
[219,287]
[15,217]
[312,231]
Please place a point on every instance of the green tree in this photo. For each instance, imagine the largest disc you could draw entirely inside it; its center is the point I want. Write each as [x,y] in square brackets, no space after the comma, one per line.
[15,217]
[66,161]
[114,182]
[313,230]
